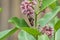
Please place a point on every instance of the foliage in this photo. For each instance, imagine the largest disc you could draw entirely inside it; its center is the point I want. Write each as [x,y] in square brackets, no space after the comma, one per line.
[34,32]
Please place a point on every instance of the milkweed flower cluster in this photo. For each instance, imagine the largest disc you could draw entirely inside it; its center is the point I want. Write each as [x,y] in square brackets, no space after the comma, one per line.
[48,31]
[27,7]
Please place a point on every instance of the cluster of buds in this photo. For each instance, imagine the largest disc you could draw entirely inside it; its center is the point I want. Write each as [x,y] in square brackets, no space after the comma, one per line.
[48,31]
[27,7]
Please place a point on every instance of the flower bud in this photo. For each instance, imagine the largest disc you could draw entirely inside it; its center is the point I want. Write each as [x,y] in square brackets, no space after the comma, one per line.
[27,7]
[48,31]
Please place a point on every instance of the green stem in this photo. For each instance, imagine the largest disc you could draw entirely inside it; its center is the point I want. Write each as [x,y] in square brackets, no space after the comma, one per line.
[54,35]
[36,12]
[36,24]
[35,20]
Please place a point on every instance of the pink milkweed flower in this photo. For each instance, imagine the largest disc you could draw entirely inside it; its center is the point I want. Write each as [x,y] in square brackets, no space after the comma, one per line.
[27,7]
[48,31]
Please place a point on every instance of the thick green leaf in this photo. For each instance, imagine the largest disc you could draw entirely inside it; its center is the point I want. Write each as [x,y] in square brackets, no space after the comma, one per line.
[48,16]
[53,5]
[32,31]
[57,35]
[21,24]
[57,25]
[53,21]
[46,3]
[43,37]
[7,33]
[18,22]
[25,36]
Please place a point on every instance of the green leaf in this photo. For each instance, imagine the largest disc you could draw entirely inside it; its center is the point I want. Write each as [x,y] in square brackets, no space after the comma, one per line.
[25,36]
[53,21]
[43,37]
[6,33]
[21,24]
[32,31]
[57,25]
[0,10]
[57,35]
[46,3]
[48,16]
[53,5]
[18,22]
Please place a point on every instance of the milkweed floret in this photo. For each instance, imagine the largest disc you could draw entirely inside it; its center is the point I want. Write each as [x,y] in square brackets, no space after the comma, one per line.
[27,7]
[48,31]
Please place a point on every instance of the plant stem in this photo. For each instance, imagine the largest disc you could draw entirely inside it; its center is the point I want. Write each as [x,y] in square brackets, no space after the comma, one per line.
[36,24]
[35,20]
[54,35]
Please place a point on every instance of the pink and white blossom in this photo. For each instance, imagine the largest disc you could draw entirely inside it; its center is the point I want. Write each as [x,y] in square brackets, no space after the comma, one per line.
[48,31]
[27,7]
